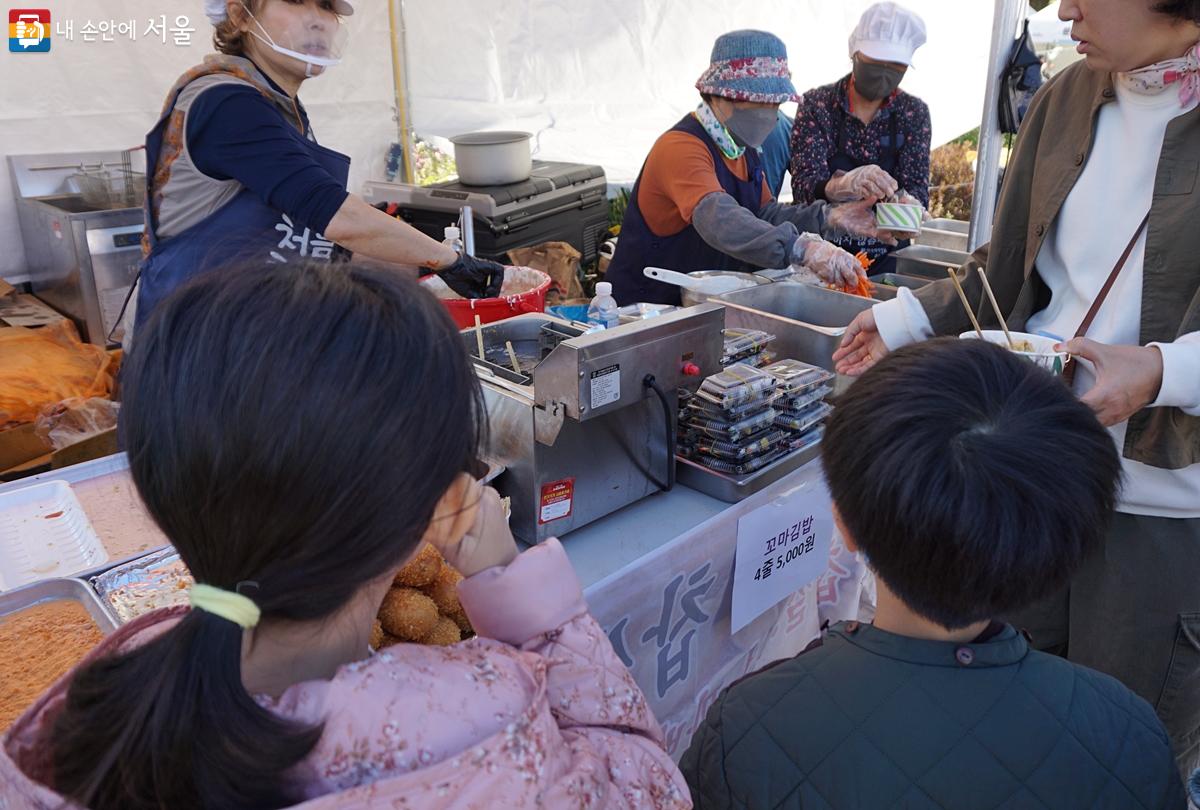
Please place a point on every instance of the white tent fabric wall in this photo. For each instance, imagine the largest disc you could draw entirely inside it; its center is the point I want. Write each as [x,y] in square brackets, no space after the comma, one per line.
[599,82]
[107,95]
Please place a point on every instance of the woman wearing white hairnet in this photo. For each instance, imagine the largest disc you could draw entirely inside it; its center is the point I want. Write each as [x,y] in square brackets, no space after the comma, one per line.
[862,136]
[236,174]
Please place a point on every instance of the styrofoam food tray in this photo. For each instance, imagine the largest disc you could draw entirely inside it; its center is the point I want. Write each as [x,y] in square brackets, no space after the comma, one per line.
[44,533]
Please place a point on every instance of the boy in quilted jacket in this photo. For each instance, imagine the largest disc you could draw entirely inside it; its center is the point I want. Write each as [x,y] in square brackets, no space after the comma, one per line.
[974,483]
[298,433]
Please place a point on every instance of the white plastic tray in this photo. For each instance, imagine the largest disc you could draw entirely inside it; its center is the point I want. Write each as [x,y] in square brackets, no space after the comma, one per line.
[44,533]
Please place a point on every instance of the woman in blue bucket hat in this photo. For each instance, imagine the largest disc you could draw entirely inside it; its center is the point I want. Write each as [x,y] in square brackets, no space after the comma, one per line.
[701,201]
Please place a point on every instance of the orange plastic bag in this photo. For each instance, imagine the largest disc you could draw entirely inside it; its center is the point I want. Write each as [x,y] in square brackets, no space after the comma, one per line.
[41,367]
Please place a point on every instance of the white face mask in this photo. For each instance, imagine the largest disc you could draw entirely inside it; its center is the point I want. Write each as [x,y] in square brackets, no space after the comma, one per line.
[317,47]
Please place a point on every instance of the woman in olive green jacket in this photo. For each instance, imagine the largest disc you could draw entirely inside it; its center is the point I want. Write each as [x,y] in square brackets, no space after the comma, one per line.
[1108,157]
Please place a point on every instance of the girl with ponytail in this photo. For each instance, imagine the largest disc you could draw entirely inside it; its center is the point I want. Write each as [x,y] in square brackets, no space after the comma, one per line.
[298,433]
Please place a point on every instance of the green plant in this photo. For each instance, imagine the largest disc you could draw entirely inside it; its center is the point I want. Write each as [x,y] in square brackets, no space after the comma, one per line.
[430,164]
[970,139]
[617,207]
[951,181]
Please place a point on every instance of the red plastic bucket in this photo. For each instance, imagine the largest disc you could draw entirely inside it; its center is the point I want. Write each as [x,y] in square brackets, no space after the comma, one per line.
[490,310]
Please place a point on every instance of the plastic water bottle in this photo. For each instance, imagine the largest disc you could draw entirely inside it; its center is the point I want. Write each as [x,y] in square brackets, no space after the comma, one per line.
[453,238]
[603,310]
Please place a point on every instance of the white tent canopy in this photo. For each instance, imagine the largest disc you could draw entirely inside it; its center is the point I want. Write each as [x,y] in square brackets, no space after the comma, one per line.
[597,82]
[1048,31]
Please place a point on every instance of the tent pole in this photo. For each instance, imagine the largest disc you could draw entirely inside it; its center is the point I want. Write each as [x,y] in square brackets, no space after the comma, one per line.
[400,82]
[1008,15]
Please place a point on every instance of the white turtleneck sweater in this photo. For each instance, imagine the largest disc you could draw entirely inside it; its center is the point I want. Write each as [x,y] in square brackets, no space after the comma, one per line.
[1076,258]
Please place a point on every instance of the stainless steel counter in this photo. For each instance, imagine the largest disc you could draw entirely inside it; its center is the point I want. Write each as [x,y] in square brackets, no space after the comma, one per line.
[596,550]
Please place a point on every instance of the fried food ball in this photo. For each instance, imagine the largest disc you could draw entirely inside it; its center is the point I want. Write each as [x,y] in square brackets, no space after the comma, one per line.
[444,593]
[377,635]
[421,569]
[389,640]
[408,614]
[460,618]
[444,633]
[443,590]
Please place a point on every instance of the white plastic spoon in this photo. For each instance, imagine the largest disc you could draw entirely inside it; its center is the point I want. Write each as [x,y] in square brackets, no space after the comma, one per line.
[713,285]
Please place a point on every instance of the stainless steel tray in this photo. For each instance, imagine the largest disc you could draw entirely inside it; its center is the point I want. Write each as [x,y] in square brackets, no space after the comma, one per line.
[51,590]
[734,489]
[897,280]
[944,233]
[808,321]
[886,286]
[928,262]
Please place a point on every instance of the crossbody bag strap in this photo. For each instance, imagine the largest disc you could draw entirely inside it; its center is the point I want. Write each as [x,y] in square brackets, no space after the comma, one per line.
[1069,371]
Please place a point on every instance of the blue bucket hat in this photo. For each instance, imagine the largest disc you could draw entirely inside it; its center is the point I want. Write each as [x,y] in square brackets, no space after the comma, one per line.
[749,66]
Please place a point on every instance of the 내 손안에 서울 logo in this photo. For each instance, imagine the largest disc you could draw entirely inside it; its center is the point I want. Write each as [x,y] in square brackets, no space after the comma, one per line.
[29,30]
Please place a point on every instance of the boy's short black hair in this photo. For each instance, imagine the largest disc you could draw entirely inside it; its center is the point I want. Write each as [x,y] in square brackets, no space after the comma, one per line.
[974,481]
[1186,10]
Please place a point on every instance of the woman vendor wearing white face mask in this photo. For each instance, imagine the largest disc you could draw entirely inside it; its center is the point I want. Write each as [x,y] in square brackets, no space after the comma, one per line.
[237,175]
[702,202]
[862,136]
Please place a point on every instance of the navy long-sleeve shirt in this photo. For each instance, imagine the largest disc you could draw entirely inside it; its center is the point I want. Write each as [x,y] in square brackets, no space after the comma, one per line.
[234,133]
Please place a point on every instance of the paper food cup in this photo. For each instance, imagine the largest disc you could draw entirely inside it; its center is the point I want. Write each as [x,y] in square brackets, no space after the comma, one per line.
[898,217]
[1043,353]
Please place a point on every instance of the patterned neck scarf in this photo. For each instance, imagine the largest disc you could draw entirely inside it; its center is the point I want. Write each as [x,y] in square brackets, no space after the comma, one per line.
[720,134]
[1154,79]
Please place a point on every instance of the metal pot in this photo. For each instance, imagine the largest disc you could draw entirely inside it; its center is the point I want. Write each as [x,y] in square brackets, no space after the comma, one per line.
[691,297]
[493,158]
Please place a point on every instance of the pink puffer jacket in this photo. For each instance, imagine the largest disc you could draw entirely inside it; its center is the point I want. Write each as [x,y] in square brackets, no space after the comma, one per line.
[536,712]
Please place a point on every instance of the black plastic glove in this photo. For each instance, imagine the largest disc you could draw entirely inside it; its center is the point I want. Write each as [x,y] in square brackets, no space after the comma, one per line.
[474,278]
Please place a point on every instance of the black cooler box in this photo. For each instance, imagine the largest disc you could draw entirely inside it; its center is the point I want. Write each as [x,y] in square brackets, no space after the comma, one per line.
[560,202]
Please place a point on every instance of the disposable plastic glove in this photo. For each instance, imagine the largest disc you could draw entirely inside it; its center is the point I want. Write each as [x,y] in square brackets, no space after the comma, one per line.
[865,182]
[856,219]
[904,198]
[831,264]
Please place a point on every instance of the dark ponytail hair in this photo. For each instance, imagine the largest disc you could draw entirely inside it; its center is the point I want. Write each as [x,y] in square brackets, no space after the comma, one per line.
[290,427]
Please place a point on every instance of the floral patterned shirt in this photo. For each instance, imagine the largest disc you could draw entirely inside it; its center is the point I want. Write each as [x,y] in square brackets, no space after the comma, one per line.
[815,140]
[536,712]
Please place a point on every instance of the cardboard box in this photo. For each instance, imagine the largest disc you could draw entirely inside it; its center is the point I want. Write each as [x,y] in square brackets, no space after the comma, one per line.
[94,447]
[40,457]
[28,311]
[21,445]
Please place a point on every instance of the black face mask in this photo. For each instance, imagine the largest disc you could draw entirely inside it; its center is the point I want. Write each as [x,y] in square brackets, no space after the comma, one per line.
[875,82]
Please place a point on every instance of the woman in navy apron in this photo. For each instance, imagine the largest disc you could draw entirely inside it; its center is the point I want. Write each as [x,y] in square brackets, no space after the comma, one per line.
[862,136]
[237,176]
[701,201]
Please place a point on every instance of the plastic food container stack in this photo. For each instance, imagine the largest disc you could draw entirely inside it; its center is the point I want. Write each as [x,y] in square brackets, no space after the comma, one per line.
[801,409]
[729,424]
[746,346]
